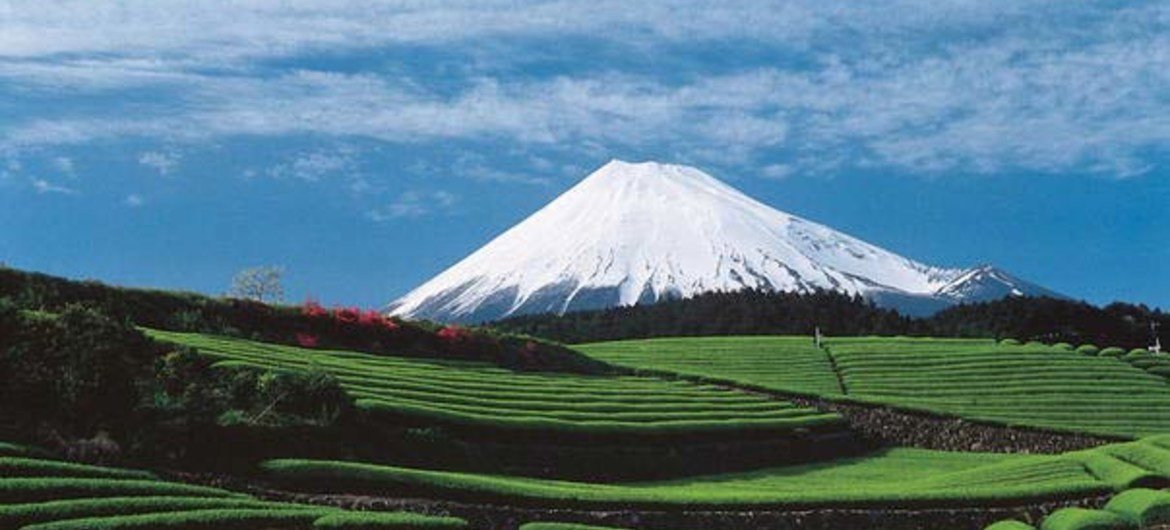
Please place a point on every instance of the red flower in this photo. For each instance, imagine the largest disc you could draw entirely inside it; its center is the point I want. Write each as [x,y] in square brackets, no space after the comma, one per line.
[451,334]
[349,315]
[389,324]
[370,318]
[306,340]
[313,309]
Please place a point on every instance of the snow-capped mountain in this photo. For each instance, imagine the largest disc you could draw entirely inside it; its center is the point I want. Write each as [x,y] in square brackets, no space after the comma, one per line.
[633,233]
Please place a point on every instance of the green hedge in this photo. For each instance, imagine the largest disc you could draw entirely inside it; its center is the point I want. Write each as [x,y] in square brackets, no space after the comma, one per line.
[1112,352]
[17,515]
[19,490]
[1088,349]
[1084,519]
[1010,525]
[1143,507]
[232,519]
[14,467]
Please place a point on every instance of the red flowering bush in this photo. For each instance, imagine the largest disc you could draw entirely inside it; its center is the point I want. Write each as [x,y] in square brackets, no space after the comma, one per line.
[370,317]
[313,309]
[452,334]
[349,315]
[306,340]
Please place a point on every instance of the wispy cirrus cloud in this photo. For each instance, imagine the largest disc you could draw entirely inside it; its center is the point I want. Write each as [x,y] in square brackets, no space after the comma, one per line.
[921,87]
[414,204]
[162,162]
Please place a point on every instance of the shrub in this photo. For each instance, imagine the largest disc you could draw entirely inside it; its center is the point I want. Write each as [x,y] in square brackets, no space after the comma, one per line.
[1088,349]
[1084,519]
[1010,525]
[1063,346]
[1112,352]
[1142,507]
[77,373]
[1009,342]
[1138,352]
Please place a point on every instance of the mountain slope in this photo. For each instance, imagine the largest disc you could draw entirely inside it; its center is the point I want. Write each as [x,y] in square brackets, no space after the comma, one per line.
[639,233]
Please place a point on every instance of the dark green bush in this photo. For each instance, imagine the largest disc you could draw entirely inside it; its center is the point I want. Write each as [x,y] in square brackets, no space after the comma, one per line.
[1088,349]
[1084,519]
[1112,352]
[1142,507]
[77,373]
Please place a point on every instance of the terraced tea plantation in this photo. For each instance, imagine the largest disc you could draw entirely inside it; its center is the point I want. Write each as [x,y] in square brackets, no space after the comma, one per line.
[1033,385]
[483,395]
[790,364]
[900,477]
[44,494]
[1030,385]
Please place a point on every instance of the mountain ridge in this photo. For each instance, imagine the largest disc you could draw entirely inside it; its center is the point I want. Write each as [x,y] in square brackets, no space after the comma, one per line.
[636,233]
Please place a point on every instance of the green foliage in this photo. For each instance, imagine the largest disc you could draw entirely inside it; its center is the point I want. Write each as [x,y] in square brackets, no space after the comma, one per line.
[901,477]
[1010,525]
[1142,507]
[18,515]
[1063,346]
[1009,342]
[387,521]
[13,467]
[484,396]
[1112,351]
[246,318]
[1036,385]
[1088,349]
[78,373]
[23,490]
[791,364]
[1084,519]
[239,518]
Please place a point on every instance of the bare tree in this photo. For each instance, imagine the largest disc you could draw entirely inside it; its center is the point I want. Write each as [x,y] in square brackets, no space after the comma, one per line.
[262,284]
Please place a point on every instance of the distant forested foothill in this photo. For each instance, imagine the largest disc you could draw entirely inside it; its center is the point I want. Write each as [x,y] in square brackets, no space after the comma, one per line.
[757,312]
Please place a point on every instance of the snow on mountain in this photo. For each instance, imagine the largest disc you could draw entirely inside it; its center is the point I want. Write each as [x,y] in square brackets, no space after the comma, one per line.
[633,233]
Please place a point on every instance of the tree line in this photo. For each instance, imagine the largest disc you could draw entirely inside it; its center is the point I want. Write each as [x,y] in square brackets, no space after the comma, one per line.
[758,312]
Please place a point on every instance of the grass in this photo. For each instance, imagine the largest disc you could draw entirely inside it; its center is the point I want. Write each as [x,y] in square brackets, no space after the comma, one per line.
[1029,385]
[902,477]
[481,395]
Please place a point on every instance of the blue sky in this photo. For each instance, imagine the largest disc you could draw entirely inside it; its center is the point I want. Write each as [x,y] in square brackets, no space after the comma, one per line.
[365,146]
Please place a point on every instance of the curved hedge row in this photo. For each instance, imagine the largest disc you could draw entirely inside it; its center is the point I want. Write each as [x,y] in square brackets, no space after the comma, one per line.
[1129,510]
[480,395]
[50,495]
[897,477]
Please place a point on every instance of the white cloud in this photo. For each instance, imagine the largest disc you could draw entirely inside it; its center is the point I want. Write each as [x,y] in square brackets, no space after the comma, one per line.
[316,165]
[162,162]
[64,164]
[43,186]
[133,200]
[414,204]
[919,86]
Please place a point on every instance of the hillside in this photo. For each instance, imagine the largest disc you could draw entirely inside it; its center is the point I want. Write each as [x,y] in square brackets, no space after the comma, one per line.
[124,408]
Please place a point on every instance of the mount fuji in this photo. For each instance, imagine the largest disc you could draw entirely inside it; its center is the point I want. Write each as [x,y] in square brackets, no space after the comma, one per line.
[638,233]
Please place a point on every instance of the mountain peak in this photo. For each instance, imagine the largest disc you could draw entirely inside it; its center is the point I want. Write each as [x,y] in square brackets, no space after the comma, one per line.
[632,233]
